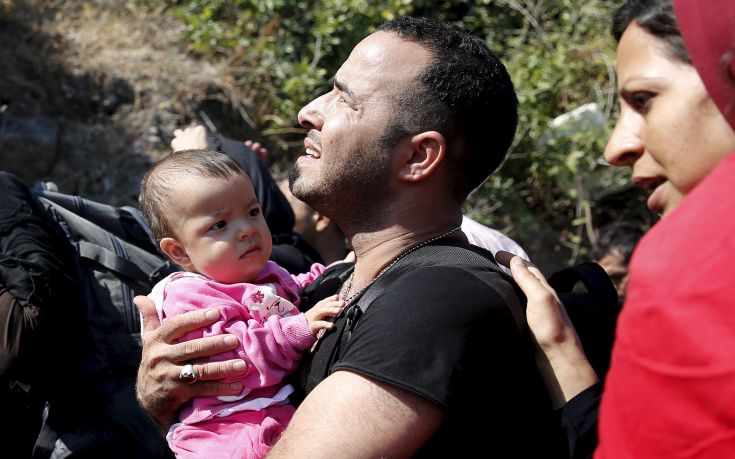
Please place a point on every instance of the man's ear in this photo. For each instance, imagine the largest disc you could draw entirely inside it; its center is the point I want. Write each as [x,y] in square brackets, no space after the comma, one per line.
[175,251]
[422,155]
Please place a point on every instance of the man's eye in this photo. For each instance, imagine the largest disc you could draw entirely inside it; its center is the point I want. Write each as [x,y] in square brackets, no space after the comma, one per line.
[254,212]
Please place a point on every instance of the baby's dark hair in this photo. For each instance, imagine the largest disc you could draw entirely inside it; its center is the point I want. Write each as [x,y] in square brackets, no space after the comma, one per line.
[159,187]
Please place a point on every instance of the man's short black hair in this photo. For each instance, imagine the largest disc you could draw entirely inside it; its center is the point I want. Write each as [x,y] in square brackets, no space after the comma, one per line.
[465,94]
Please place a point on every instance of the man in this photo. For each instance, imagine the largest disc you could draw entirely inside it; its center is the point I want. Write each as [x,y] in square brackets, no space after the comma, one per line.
[420,113]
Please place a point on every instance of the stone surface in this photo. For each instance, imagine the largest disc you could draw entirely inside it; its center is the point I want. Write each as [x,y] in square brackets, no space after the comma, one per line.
[28,145]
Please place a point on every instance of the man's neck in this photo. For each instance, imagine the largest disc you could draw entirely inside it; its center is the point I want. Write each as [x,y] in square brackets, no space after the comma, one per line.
[377,249]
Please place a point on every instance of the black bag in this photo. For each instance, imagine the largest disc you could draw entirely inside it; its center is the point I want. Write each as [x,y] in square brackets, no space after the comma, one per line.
[115,257]
[38,305]
[593,311]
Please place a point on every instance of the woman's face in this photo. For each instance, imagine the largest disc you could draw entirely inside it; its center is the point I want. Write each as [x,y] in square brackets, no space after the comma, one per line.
[669,131]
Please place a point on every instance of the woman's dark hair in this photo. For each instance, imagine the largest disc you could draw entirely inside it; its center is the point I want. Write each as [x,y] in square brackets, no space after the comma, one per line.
[655,17]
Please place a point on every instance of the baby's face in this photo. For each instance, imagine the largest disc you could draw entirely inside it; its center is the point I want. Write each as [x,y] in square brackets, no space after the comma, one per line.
[221,227]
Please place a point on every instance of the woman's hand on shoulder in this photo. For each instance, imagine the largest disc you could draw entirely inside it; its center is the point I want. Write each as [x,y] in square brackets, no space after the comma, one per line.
[559,356]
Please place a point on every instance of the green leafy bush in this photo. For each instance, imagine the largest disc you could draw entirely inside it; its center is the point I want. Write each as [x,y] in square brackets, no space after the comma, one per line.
[560,55]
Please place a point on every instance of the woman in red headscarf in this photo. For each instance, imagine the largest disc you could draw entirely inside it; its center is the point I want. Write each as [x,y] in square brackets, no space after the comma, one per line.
[670,391]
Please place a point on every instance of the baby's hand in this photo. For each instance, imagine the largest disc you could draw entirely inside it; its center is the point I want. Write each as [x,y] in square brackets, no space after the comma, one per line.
[319,316]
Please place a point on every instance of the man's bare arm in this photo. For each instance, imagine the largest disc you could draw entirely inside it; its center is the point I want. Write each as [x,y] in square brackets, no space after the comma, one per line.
[349,415]
[158,388]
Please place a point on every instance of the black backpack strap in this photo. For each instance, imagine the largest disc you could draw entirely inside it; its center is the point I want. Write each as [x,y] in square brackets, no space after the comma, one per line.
[111,261]
[451,254]
[328,284]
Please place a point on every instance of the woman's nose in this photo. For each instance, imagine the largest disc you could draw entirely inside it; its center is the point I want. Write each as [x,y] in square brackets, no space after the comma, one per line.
[625,145]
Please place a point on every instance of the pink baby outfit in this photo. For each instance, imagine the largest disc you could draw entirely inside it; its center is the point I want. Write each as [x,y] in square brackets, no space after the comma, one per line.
[263,314]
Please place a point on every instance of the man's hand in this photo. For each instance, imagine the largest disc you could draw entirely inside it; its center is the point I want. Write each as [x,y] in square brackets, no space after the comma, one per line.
[159,389]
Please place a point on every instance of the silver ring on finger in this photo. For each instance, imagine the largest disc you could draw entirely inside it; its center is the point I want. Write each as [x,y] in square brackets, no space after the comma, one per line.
[188,374]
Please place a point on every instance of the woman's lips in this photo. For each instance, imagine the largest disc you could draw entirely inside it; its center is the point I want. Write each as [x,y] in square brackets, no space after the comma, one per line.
[656,201]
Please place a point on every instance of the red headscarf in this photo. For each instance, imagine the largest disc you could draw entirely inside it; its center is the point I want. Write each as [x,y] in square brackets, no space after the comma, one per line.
[708,29]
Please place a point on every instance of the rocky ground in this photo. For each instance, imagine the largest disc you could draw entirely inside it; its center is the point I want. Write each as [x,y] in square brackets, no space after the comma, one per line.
[90,93]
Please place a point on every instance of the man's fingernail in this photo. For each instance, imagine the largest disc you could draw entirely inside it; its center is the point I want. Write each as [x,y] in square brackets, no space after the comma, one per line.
[211,314]
[236,386]
[230,340]
[518,261]
[239,366]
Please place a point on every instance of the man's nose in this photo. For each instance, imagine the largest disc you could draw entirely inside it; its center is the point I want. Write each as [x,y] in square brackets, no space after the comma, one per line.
[312,115]
[625,145]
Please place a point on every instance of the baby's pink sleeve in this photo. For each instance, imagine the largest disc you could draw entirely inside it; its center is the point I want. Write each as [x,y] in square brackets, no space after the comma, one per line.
[307,278]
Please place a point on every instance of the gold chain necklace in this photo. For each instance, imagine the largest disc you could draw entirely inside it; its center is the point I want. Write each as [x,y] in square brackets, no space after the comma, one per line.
[348,284]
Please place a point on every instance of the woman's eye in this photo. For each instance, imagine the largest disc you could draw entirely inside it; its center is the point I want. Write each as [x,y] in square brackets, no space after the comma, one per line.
[639,101]
[254,212]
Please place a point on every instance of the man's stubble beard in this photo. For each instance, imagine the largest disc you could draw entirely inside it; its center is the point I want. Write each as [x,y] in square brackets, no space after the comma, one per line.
[355,193]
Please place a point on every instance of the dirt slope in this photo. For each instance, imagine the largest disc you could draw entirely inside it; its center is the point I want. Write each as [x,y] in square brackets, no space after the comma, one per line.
[90,92]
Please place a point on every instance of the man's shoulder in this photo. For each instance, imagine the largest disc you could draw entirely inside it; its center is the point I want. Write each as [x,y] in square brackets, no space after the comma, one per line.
[449,284]
[452,254]
[453,278]
[454,266]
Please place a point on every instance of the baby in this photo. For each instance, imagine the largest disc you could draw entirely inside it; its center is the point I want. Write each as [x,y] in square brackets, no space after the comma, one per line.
[202,208]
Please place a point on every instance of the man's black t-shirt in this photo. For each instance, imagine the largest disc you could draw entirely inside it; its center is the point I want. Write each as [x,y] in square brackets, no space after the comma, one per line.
[448,326]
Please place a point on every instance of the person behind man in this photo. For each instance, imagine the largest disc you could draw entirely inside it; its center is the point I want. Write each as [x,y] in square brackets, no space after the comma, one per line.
[491,239]
[319,231]
[613,250]
[439,364]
